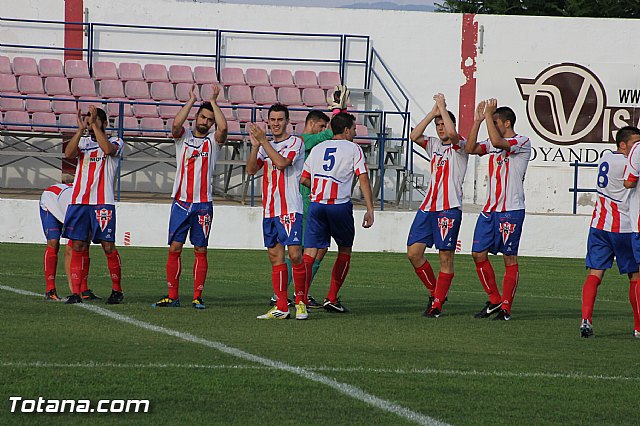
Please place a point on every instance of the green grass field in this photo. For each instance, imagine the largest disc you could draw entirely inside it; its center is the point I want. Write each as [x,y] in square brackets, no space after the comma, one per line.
[534,369]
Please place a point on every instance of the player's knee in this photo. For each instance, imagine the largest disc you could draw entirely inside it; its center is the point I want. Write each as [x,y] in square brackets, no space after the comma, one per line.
[108,247]
[198,249]
[54,244]
[479,256]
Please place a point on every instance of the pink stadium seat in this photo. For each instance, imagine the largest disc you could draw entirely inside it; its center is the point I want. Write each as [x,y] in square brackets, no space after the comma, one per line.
[227,111]
[161,91]
[244,114]
[305,79]
[38,105]
[44,122]
[113,108]
[111,89]
[232,76]
[204,75]
[21,120]
[362,131]
[128,123]
[51,68]
[260,124]
[130,71]
[239,95]
[62,106]
[92,100]
[234,127]
[289,96]
[83,87]
[207,91]
[136,90]
[5,65]
[168,111]
[140,110]
[148,124]
[192,113]
[328,79]
[282,78]
[30,84]
[103,70]
[180,74]
[314,97]
[169,124]
[264,95]
[55,86]
[76,69]
[67,122]
[298,129]
[297,116]
[155,72]
[182,91]
[8,83]
[257,77]
[24,66]
[11,104]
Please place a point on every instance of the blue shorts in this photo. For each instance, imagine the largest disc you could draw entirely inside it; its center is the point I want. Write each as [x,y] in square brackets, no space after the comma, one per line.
[498,232]
[330,220]
[439,228]
[602,246]
[285,230]
[84,221]
[194,218]
[51,226]
[635,246]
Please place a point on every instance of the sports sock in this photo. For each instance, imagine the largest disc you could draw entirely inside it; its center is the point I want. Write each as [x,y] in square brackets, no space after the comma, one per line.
[634,298]
[338,275]
[509,286]
[589,291]
[442,288]
[50,266]
[76,268]
[300,281]
[200,268]
[308,262]
[113,263]
[84,286]
[174,268]
[289,271]
[279,280]
[428,278]
[487,278]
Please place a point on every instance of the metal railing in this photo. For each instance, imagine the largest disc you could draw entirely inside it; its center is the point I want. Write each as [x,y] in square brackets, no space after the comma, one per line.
[575,189]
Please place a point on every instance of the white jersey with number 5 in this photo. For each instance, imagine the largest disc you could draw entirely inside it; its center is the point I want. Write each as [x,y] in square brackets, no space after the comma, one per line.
[631,173]
[56,199]
[331,167]
[611,212]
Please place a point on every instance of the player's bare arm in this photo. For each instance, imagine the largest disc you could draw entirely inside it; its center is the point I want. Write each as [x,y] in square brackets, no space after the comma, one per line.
[252,161]
[417,134]
[367,193]
[221,123]
[630,183]
[278,160]
[449,127]
[101,137]
[305,181]
[472,146]
[181,116]
[71,151]
[494,135]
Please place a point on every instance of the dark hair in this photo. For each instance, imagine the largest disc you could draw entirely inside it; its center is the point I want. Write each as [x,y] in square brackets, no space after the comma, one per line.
[316,115]
[205,105]
[341,121]
[453,117]
[505,113]
[625,133]
[101,115]
[279,108]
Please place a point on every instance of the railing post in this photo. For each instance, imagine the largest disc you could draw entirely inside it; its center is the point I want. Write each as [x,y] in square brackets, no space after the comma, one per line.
[90,48]
[342,57]
[575,187]
[383,140]
[218,60]
[120,135]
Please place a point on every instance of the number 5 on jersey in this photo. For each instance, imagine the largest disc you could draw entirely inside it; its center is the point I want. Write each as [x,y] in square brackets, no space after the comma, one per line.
[329,158]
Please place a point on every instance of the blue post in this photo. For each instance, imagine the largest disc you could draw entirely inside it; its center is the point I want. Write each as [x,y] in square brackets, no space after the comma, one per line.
[575,187]
[383,139]
[120,135]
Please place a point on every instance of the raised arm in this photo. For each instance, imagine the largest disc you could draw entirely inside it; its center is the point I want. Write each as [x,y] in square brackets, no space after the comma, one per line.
[472,146]
[181,116]
[494,135]
[101,137]
[252,161]
[417,134]
[449,127]
[221,122]
[71,151]
[278,160]
[367,193]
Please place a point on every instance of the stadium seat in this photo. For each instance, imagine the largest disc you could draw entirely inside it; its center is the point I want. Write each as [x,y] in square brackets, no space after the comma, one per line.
[289,96]
[298,129]
[244,114]
[182,91]
[148,124]
[305,79]
[192,113]
[130,71]
[328,79]
[76,69]
[83,87]
[44,122]
[89,100]
[137,90]
[11,104]
[19,118]
[205,75]
[111,89]
[257,77]
[282,78]
[8,83]
[113,108]
[51,67]
[161,91]
[64,105]
[313,97]
[207,91]
[55,86]
[141,110]
[227,111]
[130,123]
[234,127]
[297,116]
[103,70]
[168,111]
[37,105]
[232,76]
[24,66]
[30,84]
[155,72]
[264,95]
[169,124]
[67,122]
[180,74]
[362,131]
[240,95]
[5,65]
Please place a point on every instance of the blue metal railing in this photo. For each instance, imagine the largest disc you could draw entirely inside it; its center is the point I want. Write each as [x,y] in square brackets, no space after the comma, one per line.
[575,189]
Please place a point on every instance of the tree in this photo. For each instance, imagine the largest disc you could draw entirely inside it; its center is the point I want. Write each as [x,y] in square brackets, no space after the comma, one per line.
[577,8]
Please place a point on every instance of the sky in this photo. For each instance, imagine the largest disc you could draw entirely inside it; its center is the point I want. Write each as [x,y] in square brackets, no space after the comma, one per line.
[326,3]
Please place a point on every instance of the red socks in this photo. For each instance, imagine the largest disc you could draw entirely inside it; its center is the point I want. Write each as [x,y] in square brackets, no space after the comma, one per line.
[300,272]
[84,285]
[113,263]
[589,291]
[308,264]
[634,298]
[279,280]
[338,275]
[428,278]
[509,286]
[76,267]
[442,288]
[487,278]
[50,266]
[200,267]
[174,268]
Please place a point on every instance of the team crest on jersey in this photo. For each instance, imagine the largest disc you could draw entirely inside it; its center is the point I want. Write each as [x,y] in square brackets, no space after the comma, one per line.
[287,220]
[445,224]
[104,217]
[506,229]
[205,223]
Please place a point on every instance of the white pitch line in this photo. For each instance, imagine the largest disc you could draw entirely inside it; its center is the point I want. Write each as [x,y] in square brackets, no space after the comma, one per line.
[400,371]
[344,388]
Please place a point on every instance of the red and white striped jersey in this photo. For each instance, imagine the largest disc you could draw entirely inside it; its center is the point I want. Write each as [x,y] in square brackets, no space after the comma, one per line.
[56,198]
[611,212]
[331,167]
[95,172]
[507,168]
[195,163]
[631,173]
[281,188]
[448,167]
